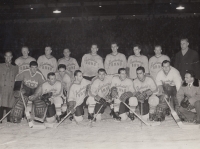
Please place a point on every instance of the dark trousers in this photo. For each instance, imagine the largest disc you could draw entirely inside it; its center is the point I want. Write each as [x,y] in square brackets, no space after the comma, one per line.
[2,111]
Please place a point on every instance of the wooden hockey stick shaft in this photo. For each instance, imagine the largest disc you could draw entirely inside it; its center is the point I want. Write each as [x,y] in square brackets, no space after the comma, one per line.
[5,116]
[136,114]
[141,112]
[96,115]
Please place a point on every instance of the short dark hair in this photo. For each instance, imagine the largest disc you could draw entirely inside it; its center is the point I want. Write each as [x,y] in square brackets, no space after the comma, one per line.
[166,61]
[191,72]
[114,43]
[94,44]
[137,45]
[76,72]
[102,70]
[25,47]
[61,66]
[50,74]
[186,39]
[8,52]
[158,46]
[140,68]
[33,63]
[121,69]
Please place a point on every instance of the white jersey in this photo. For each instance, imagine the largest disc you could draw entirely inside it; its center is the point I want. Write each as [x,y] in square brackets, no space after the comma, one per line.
[114,62]
[122,85]
[173,78]
[56,88]
[101,88]
[77,92]
[155,64]
[148,83]
[65,80]
[71,64]
[47,65]
[90,64]
[134,62]
[23,63]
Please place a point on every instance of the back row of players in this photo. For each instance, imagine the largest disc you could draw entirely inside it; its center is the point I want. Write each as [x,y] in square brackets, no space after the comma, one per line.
[133,92]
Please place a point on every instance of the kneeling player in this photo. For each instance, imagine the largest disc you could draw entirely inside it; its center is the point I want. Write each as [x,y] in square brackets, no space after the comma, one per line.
[99,91]
[145,86]
[119,85]
[78,94]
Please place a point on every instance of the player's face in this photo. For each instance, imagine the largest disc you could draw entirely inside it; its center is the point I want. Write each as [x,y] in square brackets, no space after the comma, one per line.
[102,75]
[33,69]
[94,49]
[62,71]
[114,48]
[184,44]
[140,75]
[66,53]
[188,78]
[79,77]
[136,50]
[123,74]
[52,79]
[166,67]
[48,50]
[25,51]
[8,57]
[157,50]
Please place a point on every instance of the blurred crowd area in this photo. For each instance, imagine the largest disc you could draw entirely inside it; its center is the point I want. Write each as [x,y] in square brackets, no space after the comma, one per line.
[78,35]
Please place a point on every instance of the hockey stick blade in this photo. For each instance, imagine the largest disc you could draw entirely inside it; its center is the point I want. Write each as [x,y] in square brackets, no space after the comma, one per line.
[146,123]
[95,116]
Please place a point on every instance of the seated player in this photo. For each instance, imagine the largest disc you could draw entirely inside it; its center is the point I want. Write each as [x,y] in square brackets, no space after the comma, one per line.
[120,85]
[189,98]
[78,95]
[145,88]
[99,92]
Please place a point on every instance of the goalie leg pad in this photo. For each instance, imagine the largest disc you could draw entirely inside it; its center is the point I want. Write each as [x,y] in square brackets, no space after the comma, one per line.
[40,109]
[145,107]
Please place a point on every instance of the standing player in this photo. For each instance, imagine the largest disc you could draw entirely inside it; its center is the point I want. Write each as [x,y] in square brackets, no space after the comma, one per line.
[169,82]
[47,63]
[115,60]
[145,88]
[91,63]
[134,61]
[78,94]
[99,91]
[70,63]
[123,85]
[24,61]
[155,62]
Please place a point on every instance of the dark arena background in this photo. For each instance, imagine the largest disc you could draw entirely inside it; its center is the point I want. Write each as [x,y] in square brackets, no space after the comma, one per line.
[80,24]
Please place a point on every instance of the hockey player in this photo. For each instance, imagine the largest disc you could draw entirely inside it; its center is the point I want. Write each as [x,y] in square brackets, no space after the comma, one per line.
[71,63]
[91,63]
[122,84]
[146,89]
[155,62]
[55,86]
[99,91]
[47,63]
[115,60]
[24,61]
[78,94]
[134,61]
[168,81]
[189,98]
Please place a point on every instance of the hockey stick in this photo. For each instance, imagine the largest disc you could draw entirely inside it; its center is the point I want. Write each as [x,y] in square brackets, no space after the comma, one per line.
[64,118]
[148,124]
[96,115]
[177,119]
[5,116]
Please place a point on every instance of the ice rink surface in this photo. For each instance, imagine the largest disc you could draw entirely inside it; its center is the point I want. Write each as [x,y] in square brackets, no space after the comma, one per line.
[106,134]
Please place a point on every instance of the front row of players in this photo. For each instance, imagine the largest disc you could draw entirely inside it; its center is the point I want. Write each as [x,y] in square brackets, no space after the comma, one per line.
[118,91]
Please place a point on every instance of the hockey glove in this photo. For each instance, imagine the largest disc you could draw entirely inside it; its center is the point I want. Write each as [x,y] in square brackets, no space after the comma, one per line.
[125,96]
[148,92]
[100,100]
[141,97]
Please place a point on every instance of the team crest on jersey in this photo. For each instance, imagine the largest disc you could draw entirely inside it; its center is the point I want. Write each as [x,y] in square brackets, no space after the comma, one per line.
[141,88]
[104,89]
[31,83]
[156,65]
[24,67]
[47,66]
[71,67]
[91,62]
[117,62]
[81,92]
[136,64]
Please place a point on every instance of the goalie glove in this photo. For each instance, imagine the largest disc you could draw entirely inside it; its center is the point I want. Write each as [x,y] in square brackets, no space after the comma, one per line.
[113,92]
[125,96]
[100,100]
[141,97]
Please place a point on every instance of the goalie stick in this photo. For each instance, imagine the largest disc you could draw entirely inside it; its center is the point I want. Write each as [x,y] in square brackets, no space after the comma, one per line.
[178,121]
[146,123]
